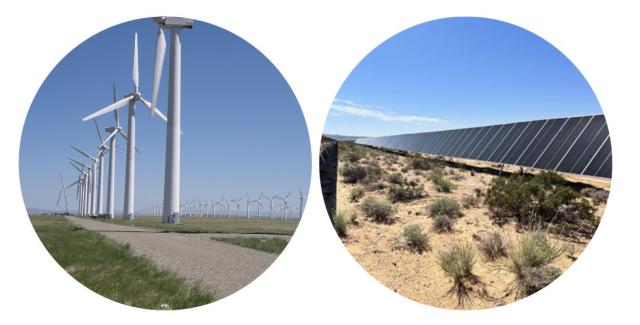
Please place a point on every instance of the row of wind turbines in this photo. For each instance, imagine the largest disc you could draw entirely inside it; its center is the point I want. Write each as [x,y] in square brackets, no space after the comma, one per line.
[89,185]
[208,208]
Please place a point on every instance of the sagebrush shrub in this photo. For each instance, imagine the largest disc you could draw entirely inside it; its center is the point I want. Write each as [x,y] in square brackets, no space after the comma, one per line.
[415,237]
[542,198]
[492,245]
[470,201]
[597,196]
[422,163]
[406,192]
[353,173]
[356,194]
[445,206]
[378,210]
[340,224]
[395,178]
[442,223]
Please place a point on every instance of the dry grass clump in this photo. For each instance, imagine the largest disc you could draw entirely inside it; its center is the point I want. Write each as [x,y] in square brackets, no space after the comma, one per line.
[356,194]
[415,238]
[445,206]
[457,262]
[492,246]
[378,210]
[530,259]
[442,223]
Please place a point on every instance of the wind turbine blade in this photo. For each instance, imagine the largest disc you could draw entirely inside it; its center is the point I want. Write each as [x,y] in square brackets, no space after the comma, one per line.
[98,130]
[82,152]
[157,111]
[74,183]
[135,62]
[104,143]
[112,107]
[79,163]
[114,92]
[59,194]
[76,167]
[161,45]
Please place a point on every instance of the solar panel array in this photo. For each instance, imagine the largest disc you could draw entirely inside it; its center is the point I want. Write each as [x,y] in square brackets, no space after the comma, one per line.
[578,145]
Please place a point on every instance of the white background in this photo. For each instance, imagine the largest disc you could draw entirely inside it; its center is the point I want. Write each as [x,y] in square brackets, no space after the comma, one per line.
[315,46]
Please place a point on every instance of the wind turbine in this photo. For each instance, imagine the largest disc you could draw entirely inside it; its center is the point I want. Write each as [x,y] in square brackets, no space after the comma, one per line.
[171,212]
[301,204]
[285,204]
[92,180]
[130,100]
[63,191]
[82,185]
[271,205]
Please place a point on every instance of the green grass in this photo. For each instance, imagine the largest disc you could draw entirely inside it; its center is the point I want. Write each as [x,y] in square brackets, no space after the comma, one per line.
[112,270]
[269,245]
[215,225]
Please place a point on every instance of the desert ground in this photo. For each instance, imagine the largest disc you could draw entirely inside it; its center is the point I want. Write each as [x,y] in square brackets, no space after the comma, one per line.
[418,274]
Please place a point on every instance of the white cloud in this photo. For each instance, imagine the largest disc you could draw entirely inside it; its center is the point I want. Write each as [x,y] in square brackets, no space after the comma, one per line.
[341,107]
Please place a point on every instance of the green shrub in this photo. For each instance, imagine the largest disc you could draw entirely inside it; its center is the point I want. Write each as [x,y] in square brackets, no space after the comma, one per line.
[378,210]
[422,163]
[535,200]
[406,192]
[415,237]
[457,263]
[470,201]
[445,206]
[353,217]
[492,246]
[439,180]
[354,156]
[442,223]
[340,224]
[529,261]
[353,173]
[395,178]
[356,194]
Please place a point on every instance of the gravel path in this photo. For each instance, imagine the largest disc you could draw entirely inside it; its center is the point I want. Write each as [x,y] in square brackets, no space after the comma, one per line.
[219,267]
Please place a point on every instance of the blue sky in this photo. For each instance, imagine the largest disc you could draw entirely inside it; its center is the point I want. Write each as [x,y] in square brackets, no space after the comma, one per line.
[455,73]
[243,128]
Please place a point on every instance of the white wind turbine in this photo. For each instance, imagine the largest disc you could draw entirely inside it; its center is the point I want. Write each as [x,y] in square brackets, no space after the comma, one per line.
[285,204]
[175,25]
[63,191]
[271,205]
[130,100]
[301,204]
[93,180]
[83,187]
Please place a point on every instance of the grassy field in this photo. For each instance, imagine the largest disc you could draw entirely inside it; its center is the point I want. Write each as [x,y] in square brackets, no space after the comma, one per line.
[111,270]
[269,245]
[214,225]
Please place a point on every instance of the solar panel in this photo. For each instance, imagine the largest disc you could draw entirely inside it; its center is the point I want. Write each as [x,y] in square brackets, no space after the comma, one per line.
[579,145]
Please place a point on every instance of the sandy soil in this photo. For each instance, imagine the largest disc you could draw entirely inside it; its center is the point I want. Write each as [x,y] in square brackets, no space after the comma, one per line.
[418,276]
